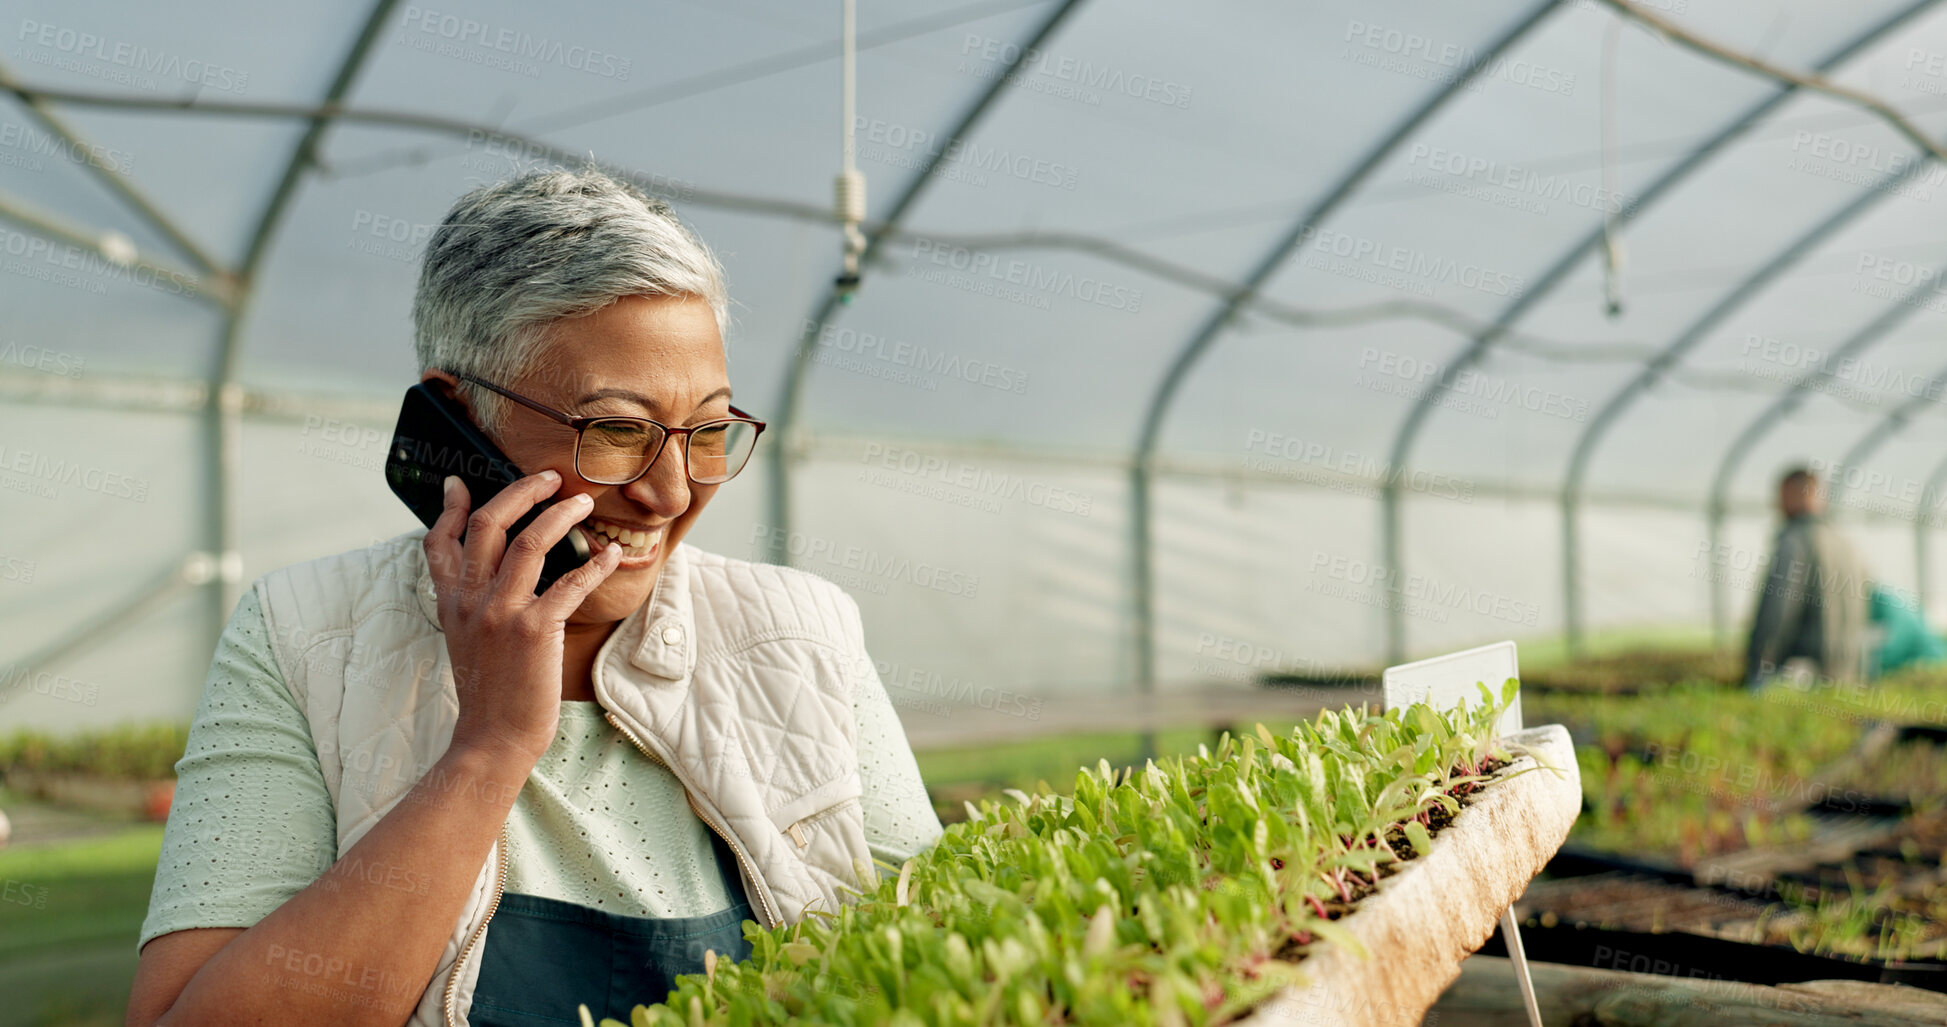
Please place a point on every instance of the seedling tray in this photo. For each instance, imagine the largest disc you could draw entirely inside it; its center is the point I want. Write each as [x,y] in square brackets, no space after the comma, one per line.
[1424,920]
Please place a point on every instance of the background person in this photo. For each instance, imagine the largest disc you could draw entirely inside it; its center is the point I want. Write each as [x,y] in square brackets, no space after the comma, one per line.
[1813,603]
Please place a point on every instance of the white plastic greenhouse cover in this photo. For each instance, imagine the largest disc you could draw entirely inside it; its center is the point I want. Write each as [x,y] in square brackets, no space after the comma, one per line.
[1195,341]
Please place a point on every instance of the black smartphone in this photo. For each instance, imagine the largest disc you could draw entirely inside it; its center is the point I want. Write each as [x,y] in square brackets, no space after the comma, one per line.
[436,438]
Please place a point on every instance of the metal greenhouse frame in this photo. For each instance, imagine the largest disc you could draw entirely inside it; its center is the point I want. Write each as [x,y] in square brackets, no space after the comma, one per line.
[223,401]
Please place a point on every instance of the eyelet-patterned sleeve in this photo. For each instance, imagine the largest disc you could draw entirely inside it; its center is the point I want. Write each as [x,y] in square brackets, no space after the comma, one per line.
[899,818]
[251,824]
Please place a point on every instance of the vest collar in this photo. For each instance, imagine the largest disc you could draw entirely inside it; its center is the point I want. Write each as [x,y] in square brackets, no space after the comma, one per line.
[660,637]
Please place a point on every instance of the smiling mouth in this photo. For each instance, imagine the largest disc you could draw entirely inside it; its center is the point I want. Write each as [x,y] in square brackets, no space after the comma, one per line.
[635,542]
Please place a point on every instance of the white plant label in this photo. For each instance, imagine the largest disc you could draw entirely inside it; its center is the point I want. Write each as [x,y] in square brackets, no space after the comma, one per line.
[1444,682]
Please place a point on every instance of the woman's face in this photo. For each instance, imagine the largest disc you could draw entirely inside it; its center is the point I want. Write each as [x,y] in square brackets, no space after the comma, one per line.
[659,357]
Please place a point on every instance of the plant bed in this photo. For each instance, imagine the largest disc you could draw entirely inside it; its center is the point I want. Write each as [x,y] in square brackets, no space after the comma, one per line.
[1622,901]
[1910,771]
[1885,903]
[1698,771]
[1737,817]
[1683,954]
[135,798]
[1915,698]
[129,770]
[1192,890]
[1487,996]
[1637,672]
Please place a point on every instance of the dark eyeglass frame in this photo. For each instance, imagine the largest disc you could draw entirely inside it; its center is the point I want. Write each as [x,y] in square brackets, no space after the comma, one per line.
[580,423]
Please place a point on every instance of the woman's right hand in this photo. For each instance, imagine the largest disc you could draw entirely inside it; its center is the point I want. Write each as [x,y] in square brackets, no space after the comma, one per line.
[504,641]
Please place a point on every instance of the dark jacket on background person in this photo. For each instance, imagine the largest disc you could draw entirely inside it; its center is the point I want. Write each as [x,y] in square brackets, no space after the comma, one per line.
[1813,604]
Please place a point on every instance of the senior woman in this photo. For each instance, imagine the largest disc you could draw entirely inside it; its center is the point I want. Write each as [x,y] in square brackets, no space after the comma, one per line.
[417,792]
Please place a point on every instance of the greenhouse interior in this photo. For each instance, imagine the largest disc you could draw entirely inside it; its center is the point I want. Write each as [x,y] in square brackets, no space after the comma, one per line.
[1314,513]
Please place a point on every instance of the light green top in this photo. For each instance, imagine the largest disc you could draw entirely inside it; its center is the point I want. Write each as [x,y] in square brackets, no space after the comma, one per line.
[596,824]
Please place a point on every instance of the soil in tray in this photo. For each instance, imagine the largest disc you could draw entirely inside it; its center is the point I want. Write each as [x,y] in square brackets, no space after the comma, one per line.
[1437,819]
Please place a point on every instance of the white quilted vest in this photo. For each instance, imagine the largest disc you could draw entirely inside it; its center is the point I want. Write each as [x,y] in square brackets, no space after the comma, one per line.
[737,676]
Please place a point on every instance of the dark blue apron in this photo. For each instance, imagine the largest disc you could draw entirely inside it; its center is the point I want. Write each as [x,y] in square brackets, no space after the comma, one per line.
[545,957]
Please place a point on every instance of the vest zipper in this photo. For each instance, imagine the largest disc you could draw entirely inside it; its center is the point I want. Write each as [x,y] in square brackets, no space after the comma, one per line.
[459,963]
[757,884]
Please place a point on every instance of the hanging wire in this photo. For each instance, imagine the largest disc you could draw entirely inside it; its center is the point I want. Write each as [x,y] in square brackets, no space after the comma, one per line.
[849,190]
[1612,247]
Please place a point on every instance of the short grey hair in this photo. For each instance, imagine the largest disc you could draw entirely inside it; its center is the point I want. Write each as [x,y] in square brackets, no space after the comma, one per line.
[510,260]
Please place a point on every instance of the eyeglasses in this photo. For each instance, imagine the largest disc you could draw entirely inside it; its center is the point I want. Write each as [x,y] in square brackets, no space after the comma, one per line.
[618,450]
